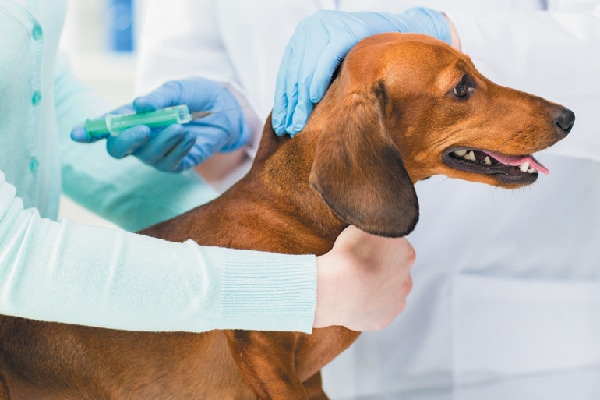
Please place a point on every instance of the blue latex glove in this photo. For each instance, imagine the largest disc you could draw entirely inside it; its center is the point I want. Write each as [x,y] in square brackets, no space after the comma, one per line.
[179,147]
[319,44]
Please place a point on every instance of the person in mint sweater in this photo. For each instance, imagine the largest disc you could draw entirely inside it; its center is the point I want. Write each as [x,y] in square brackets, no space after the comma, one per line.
[77,274]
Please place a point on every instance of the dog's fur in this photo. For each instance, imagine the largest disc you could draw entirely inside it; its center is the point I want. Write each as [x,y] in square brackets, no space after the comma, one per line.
[398,107]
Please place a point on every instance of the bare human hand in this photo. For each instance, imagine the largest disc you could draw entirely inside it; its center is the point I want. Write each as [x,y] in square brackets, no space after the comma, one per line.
[363,282]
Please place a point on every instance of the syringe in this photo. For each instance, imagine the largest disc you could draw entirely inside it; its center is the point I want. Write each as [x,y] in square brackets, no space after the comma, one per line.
[113,124]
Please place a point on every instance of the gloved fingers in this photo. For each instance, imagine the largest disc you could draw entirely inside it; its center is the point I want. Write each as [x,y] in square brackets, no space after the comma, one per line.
[301,113]
[167,95]
[237,139]
[174,160]
[415,20]
[128,141]
[229,129]
[315,82]
[296,75]
[427,21]
[306,70]
[307,74]
[78,134]
[280,106]
[325,67]
[199,153]
[186,154]
[312,56]
[348,35]
[216,140]
[278,115]
[199,94]
[280,98]
[208,143]
[161,143]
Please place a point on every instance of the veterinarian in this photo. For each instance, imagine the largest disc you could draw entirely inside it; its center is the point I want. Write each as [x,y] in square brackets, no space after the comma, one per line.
[507,283]
[76,274]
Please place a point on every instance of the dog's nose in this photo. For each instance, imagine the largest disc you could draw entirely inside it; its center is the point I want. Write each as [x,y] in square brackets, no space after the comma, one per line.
[565,120]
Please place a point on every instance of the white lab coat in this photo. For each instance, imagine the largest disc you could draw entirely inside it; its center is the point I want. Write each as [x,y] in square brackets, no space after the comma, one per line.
[506,283]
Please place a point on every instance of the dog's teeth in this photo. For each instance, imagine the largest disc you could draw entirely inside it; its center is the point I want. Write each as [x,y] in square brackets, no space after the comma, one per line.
[460,153]
[531,170]
[470,156]
[525,166]
[487,161]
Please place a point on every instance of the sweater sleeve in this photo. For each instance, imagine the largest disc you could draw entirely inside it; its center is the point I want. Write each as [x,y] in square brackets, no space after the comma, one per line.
[77,274]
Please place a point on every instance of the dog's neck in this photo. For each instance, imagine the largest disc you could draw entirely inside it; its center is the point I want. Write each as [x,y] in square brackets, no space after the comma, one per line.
[274,199]
[282,168]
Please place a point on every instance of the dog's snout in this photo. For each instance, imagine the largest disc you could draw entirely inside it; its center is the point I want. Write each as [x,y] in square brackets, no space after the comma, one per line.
[565,120]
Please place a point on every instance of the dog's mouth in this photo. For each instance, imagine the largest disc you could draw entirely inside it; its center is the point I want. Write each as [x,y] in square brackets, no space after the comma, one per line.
[510,169]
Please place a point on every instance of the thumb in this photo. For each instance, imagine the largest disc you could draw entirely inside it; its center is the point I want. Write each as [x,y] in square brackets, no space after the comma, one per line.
[79,134]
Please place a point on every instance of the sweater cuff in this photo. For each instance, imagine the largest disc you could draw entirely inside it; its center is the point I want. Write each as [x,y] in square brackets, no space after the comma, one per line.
[267,291]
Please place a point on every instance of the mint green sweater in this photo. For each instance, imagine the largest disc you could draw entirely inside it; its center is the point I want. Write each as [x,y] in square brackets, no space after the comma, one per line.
[65,272]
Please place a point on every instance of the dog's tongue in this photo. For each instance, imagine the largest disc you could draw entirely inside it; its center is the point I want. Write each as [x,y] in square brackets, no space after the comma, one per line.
[518,161]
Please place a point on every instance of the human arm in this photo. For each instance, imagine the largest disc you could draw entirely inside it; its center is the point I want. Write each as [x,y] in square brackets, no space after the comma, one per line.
[77,274]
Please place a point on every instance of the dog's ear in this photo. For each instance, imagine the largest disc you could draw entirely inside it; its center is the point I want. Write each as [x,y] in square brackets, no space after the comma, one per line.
[359,173]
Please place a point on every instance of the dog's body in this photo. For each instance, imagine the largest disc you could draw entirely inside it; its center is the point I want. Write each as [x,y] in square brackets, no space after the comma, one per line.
[415,111]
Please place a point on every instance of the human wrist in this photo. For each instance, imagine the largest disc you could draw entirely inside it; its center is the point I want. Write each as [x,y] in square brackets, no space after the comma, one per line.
[327,302]
[454,38]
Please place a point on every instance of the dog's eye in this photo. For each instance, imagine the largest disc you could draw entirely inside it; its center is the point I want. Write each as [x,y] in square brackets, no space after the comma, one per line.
[463,88]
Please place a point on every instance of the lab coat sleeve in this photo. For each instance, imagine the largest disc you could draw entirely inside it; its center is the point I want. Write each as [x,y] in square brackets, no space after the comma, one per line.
[553,54]
[126,192]
[76,274]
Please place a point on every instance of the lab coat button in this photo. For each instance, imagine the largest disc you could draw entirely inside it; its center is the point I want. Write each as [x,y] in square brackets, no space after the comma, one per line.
[37,33]
[36,97]
[33,164]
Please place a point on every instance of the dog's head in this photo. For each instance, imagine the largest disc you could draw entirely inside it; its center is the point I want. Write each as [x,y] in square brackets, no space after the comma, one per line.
[405,107]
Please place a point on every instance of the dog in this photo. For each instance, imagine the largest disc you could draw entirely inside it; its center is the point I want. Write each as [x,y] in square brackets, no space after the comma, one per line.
[402,107]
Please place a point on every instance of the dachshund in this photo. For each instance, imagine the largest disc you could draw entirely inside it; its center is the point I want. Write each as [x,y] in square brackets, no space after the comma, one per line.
[402,107]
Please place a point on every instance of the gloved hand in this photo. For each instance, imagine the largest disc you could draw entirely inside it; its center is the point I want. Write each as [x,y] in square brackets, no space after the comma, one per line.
[317,47]
[178,147]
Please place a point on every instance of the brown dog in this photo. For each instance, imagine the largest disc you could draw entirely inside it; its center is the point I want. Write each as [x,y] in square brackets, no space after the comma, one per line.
[402,108]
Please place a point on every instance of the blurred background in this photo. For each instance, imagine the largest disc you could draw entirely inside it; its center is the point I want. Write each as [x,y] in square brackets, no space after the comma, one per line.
[100,37]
